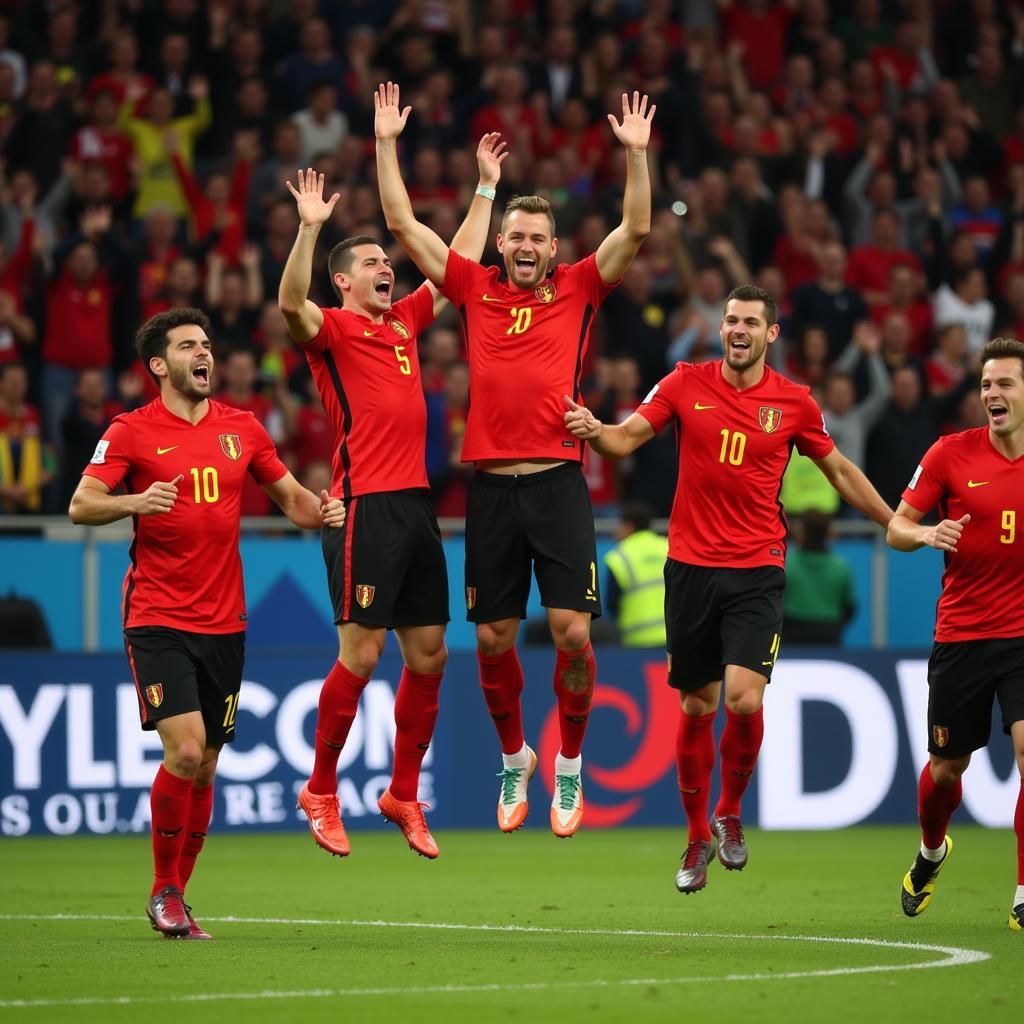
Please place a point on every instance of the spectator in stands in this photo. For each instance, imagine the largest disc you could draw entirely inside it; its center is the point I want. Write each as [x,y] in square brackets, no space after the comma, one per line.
[17,330]
[82,428]
[315,62]
[947,365]
[966,303]
[46,122]
[101,141]
[25,468]
[828,301]
[634,591]
[976,216]
[871,265]
[234,297]
[906,298]
[819,598]
[322,126]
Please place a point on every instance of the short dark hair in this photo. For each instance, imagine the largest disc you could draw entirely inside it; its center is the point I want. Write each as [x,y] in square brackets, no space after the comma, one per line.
[341,258]
[151,338]
[751,293]
[816,525]
[637,514]
[529,204]
[1004,348]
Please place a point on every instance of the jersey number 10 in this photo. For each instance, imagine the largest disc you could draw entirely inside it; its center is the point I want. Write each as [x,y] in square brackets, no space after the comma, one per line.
[207,484]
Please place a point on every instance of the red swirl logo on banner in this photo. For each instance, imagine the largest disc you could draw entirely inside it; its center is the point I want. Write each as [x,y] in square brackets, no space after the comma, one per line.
[655,755]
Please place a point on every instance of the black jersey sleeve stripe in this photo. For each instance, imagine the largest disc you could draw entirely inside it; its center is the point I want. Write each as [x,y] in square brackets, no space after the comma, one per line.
[346,424]
[588,317]
[134,568]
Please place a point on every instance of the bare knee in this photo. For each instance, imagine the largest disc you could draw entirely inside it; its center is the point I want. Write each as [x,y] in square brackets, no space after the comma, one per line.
[948,773]
[746,703]
[570,632]
[360,653]
[184,757]
[493,638]
[696,705]
[208,768]
[428,659]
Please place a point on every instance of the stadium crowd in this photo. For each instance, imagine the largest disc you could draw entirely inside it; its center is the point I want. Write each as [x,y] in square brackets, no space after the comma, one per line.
[863,161]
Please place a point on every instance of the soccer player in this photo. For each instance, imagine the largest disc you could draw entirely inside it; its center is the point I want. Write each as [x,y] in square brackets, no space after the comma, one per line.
[976,478]
[736,421]
[182,461]
[527,326]
[386,568]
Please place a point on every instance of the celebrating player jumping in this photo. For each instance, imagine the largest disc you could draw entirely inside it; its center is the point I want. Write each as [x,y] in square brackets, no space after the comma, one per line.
[737,420]
[976,478]
[183,460]
[386,568]
[527,335]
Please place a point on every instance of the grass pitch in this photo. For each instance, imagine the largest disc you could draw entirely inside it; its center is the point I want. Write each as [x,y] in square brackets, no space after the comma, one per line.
[519,928]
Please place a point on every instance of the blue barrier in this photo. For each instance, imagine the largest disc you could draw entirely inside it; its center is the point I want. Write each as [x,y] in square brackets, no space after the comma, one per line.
[286,590]
[845,739]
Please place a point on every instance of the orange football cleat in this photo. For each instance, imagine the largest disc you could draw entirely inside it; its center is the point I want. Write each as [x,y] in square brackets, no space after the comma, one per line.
[324,814]
[408,816]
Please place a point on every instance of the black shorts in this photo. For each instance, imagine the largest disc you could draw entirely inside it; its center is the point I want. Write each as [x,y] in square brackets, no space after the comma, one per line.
[963,679]
[718,617]
[385,566]
[541,519]
[176,672]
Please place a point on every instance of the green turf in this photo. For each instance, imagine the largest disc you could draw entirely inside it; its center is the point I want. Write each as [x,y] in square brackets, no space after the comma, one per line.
[843,884]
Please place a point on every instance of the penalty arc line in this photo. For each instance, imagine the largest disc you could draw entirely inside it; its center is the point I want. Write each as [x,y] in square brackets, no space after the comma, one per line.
[954,956]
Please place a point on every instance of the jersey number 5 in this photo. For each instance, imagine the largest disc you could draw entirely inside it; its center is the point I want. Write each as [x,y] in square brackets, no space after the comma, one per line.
[403,360]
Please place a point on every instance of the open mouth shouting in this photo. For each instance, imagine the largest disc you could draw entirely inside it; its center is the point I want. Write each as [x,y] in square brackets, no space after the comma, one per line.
[382,287]
[526,265]
[201,374]
[997,412]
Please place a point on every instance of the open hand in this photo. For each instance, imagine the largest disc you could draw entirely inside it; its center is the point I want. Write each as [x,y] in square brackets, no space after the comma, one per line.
[635,130]
[489,156]
[388,118]
[309,198]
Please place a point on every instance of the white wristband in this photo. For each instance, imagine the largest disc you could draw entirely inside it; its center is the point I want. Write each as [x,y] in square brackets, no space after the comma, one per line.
[486,191]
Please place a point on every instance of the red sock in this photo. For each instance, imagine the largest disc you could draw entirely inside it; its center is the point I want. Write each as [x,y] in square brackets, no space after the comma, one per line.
[169,801]
[1018,828]
[199,815]
[739,746]
[575,672]
[501,679]
[415,715]
[695,756]
[935,806]
[339,701]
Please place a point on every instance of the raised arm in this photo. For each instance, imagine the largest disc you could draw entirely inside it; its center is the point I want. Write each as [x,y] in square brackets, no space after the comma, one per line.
[905,532]
[616,252]
[612,440]
[426,248]
[304,318]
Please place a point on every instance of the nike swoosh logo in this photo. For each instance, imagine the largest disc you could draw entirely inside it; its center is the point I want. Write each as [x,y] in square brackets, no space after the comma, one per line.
[368,334]
[489,298]
[769,663]
[164,451]
[978,483]
[701,408]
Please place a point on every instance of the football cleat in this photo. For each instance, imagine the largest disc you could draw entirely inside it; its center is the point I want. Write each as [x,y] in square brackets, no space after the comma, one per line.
[324,814]
[166,912]
[408,816]
[732,848]
[692,875]
[195,930]
[512,802]
[567,805]
[919,882]
[1017,918]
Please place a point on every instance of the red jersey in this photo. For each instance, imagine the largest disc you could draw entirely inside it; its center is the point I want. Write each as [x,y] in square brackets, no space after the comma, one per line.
[734,447]
[526,350]
[78,320]
[368,376]
[962,473]
[185,570]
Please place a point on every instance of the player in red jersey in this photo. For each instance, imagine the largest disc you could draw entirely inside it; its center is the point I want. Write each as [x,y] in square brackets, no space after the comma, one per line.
[182,460]
[526,327]
[386,568]
[737,421]
[976,478]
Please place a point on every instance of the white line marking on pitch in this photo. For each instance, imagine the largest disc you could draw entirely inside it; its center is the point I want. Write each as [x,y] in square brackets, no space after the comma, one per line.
[954,956]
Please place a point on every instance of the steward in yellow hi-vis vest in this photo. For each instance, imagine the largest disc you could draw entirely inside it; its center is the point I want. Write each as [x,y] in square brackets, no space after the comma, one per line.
[636,583]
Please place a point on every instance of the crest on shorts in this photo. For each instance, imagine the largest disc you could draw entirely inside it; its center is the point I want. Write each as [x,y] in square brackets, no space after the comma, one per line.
[401,330]
[364,595]
[940,734]
[231,446]
[769,418]
[470,598]
[546,292]
[155,694]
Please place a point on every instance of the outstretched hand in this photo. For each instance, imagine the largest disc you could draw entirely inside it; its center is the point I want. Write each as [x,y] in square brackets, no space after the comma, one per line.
[489,156]
[309,198]
[388,118]
[580,421]
[635,130]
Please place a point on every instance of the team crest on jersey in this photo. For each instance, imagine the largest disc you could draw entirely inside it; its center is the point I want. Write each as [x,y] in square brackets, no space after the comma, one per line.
[470,598]
[364,595]
[940,734]
[231,446]
[401,330]
[155,694]
[546,292]
[769,418]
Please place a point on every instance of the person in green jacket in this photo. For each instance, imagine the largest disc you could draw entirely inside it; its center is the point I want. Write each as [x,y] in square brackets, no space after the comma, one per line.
[819,585]
[635,590]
